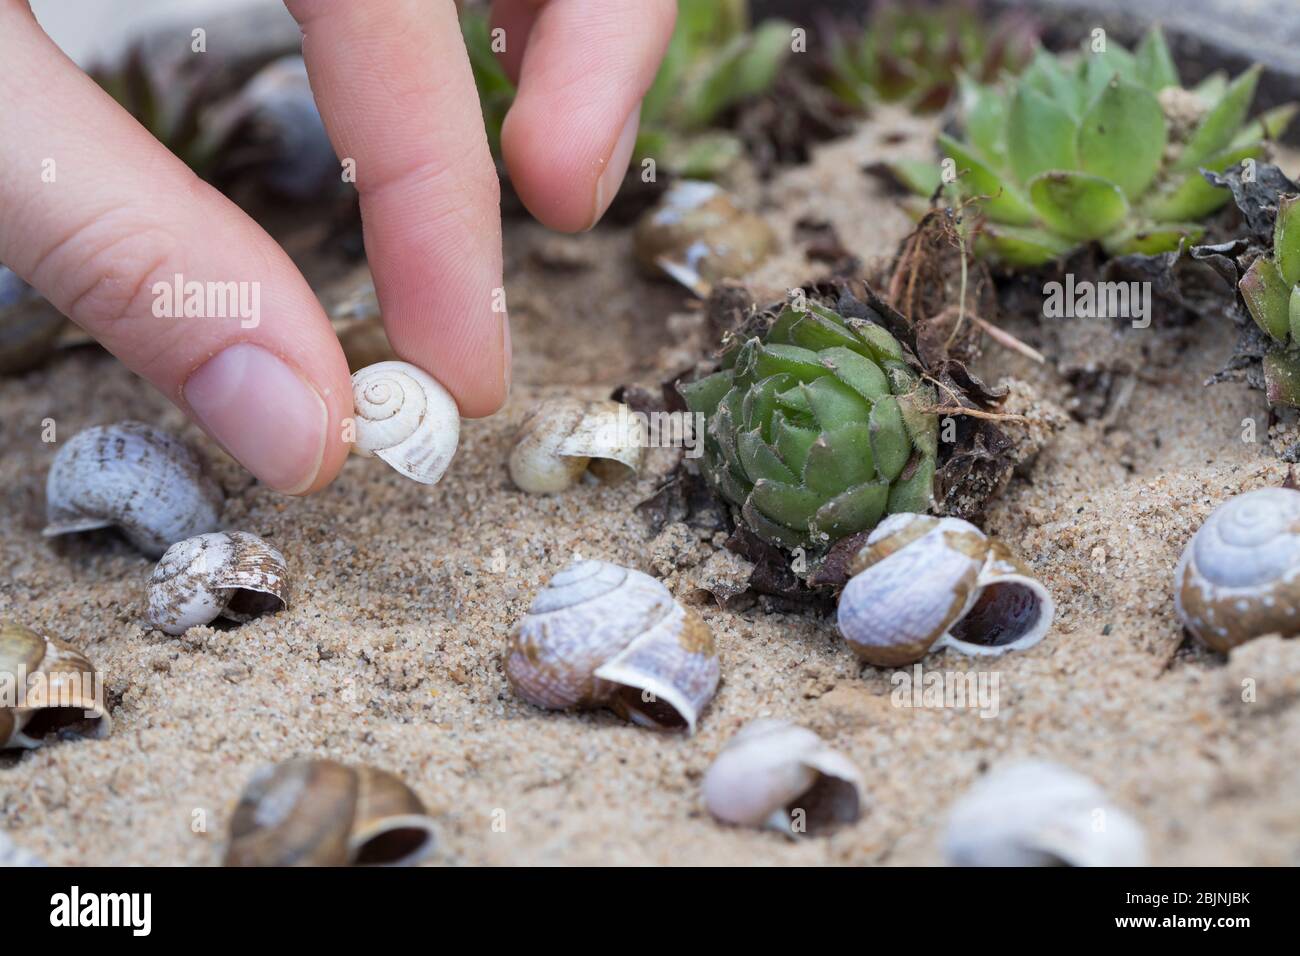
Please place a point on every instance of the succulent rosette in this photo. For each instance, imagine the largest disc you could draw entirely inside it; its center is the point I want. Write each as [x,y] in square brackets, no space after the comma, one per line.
[817,429]
[1106,148]
[1271,289]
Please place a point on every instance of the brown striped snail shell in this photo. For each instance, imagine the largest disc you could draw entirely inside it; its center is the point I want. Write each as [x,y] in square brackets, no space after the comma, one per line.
[230,574]
[405,418]
[45,685]
[775,774]
[1239,576]
[310,812]
[600,635]
[135,477]
[564,437]
[924,583]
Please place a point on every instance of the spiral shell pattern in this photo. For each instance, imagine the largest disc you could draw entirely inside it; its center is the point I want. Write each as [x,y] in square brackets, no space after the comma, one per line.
[603,635]
[230,574]
[405,418]
[1239,576]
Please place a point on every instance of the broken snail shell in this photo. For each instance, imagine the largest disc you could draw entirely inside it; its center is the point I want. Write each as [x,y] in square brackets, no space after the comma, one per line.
[924,583]
[53,687]
[230,574]
[1239,576]
[134,477]
[600,635]
[778,775]
[1036,813]
[405,418]
[309,812]
[698,235]
[564,437]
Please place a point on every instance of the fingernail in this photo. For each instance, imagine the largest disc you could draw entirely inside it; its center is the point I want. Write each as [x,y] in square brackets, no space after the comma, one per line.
[611,177]
[262,412]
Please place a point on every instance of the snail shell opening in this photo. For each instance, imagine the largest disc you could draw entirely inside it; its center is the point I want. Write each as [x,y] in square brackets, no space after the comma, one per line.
[230,574]
[66,700]
[563,438]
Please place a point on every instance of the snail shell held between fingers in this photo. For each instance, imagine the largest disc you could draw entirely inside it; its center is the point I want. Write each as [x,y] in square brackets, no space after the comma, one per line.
[1036,813]
[603,635]
[1239,576]
[405,418]
[564,437]
[229,574]
[924,583]
[59,686]
[308,812]
[134,477]
[775,774]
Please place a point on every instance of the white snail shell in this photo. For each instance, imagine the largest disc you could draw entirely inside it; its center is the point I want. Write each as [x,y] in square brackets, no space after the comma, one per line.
[404,417]
[564,437]
[1036,813]
[775,774]
[698,235]
[1239,576]
[11,854]
[59,684]
[307,812]
[135,477]
[603,635]
[923,582]
[231,574]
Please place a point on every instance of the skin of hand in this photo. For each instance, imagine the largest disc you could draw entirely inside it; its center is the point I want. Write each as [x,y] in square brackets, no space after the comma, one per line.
[94,211]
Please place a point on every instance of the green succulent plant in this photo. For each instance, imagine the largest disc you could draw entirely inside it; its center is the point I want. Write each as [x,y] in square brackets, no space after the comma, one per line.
[817,429]
[1108,149]
[1271,289]
[913,54]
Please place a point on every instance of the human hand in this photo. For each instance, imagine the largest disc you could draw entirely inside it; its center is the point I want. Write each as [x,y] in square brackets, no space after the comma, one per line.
[94,211]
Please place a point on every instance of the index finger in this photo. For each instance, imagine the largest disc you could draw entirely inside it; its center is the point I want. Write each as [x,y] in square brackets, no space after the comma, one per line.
[395,89]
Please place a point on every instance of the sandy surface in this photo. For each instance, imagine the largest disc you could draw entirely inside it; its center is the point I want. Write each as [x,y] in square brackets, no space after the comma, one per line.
[404,596]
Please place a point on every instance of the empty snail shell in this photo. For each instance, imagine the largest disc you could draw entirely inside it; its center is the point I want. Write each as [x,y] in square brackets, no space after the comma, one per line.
[698,235]
[603,635]
[1036,813]
[923,582]
[308,812]
[135,477]
[1239,576]
[11,854]
[405,418]
[779,775]
[29,325]
[45,685]
[564,437]
[230,574]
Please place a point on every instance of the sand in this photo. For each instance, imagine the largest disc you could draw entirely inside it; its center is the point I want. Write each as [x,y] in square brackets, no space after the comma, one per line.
[390,653]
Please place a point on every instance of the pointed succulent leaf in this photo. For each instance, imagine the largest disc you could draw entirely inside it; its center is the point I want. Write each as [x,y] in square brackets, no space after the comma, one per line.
[921,176]
[833,403]
[1268,297]
[1155,67]
[890,446]
[1078,205]
[1190,196]
[787,504]
[1100,69]
[802,363]
[1046,76]
[770,530]
[984,112]
[857,509]
[793,442]
[1212,88]
[1122,137]
[702,396]
[1003,202]
[1286,239]
[880,345]
[813,332]
[1152,238]
[1041,135]
[1218,127]
[760,461]
[1023,246]
[1295,313]
[839,459]
[856,371]
[914,491]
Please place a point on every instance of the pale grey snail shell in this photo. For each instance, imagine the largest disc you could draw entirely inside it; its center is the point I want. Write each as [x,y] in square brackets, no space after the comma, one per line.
[923,582]
[405,418]
[307,812]
[1239,576]
[1037,813]
[564,437]
[603,635]
[775,774]
[230,574]
[66,688]
[134,477]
